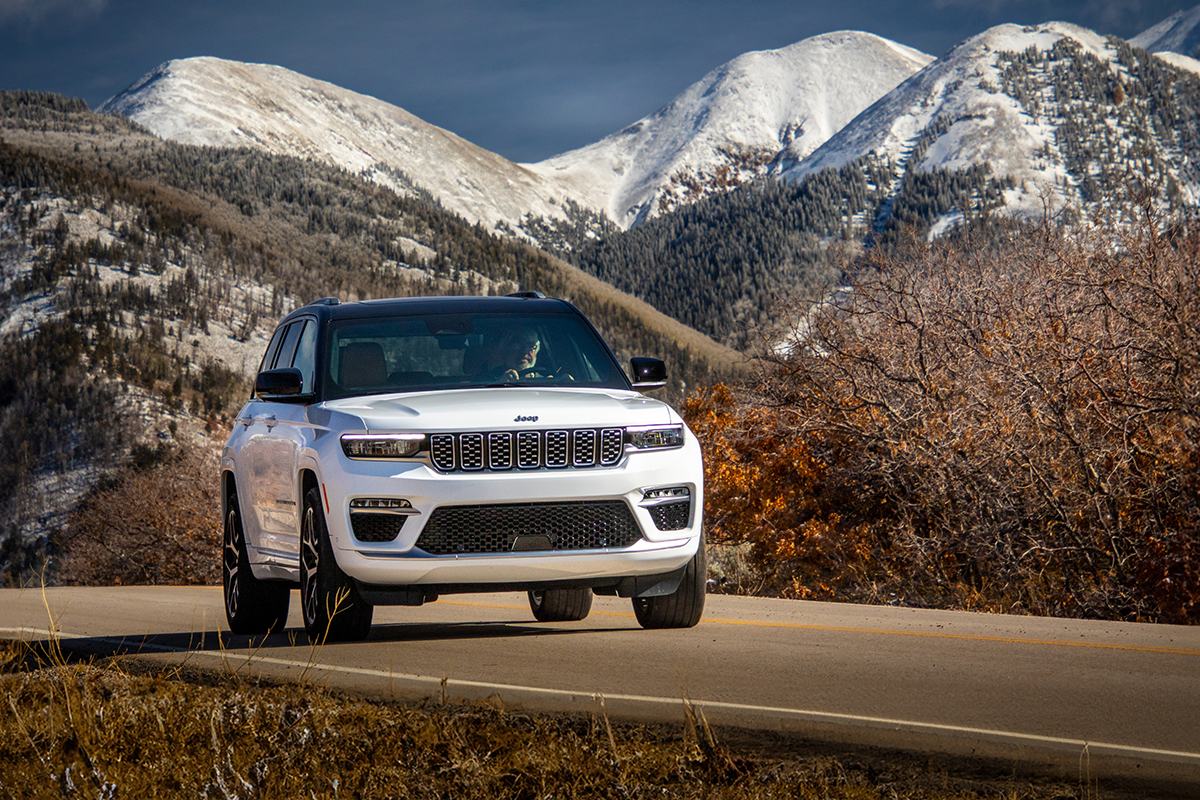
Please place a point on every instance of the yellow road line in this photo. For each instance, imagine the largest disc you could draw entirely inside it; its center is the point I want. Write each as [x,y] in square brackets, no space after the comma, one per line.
[885,632]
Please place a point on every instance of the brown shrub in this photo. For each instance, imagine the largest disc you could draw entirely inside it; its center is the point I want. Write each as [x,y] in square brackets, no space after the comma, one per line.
[158,522]
[1012,427]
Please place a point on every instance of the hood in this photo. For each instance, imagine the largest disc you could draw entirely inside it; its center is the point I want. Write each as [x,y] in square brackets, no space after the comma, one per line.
[509,408]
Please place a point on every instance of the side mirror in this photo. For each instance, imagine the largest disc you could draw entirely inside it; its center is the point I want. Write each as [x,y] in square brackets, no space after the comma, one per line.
[648,373]
[272,383]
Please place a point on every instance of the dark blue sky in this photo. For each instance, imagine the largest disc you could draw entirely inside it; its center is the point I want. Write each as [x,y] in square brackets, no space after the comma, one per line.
[524,78]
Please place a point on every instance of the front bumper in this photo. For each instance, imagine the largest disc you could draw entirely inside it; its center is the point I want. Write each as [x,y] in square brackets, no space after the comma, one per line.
[401,563]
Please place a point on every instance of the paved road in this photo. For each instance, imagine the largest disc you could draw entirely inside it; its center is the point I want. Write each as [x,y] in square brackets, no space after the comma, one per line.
[1116,698]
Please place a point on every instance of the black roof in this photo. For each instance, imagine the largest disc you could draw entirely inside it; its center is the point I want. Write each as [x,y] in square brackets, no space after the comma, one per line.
[406,306]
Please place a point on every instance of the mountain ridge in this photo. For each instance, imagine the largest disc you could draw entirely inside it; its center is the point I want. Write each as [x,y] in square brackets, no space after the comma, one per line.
[1178,33]
[217,102]
[724,129]
[999,94]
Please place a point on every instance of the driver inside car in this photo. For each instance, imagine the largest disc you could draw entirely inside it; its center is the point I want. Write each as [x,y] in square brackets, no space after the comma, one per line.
[516,358]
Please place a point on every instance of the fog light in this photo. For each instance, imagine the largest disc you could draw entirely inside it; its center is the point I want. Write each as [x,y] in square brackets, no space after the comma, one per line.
[668,493]
[382,504]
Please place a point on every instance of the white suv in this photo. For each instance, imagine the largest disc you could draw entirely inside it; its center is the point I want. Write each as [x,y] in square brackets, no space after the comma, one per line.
[397,450]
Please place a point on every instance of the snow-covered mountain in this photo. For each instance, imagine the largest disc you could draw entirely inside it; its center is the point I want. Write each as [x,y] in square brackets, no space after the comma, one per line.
[211,101]
[719,133]
[1176,39]
[822,102]
[1053,107]
[1178,33]
[726,128]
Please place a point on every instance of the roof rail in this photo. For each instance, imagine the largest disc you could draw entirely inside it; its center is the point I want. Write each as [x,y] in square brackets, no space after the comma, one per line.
[532,295]
[326,301]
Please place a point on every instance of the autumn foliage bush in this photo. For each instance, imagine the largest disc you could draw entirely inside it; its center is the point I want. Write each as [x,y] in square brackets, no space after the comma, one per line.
[1009,427]
[158,521]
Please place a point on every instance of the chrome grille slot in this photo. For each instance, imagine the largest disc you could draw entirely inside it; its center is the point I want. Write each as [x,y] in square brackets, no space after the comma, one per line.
[585,448]
[612,442]
[500,450]
[441,451]
[556,448]
[529,450]
[470,449]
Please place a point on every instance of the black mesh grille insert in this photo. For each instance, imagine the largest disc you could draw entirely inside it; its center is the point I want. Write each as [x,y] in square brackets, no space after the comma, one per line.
[671,516]
[376,527]
[579,525]
[581,448]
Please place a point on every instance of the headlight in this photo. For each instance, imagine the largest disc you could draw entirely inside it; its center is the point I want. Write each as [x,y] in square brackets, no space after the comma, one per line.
[382,445]
[656,437]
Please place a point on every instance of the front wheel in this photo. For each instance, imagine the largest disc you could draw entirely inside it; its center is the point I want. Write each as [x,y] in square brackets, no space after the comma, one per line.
[560,605]
[252,606]
[334,611]
[684,607]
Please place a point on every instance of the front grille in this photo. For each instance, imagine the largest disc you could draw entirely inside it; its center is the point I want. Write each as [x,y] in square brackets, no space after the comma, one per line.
[576,525]
[671,516]
[369,527]
[581,448]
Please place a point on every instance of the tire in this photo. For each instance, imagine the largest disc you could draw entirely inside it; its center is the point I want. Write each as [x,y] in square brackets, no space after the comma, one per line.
[252,606]
[560,605]
[682,609]
[334,611]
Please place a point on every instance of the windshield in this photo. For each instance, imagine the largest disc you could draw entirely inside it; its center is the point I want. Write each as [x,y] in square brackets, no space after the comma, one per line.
[449,351]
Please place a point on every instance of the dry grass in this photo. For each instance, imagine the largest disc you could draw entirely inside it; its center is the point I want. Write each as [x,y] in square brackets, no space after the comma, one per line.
[111,730]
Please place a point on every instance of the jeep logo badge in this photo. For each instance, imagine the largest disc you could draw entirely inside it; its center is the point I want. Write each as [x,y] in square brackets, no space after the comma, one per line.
[523,418]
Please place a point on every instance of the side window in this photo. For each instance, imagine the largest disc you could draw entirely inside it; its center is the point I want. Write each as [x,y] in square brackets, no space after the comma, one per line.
[272,349]
[306,356]
[287,350]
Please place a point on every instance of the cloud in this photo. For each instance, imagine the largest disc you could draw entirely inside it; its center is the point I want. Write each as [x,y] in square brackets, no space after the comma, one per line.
[36,11]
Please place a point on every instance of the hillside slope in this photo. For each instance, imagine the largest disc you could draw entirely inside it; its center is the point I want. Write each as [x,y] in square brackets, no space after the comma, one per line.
[211,101]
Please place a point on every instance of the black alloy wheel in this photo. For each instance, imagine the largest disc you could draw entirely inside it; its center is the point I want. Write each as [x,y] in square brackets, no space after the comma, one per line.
[252,606]
[334,611]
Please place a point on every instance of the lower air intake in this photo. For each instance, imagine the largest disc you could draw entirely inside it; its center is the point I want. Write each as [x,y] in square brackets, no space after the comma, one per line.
[671,516]
[376,527]
[481,529]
